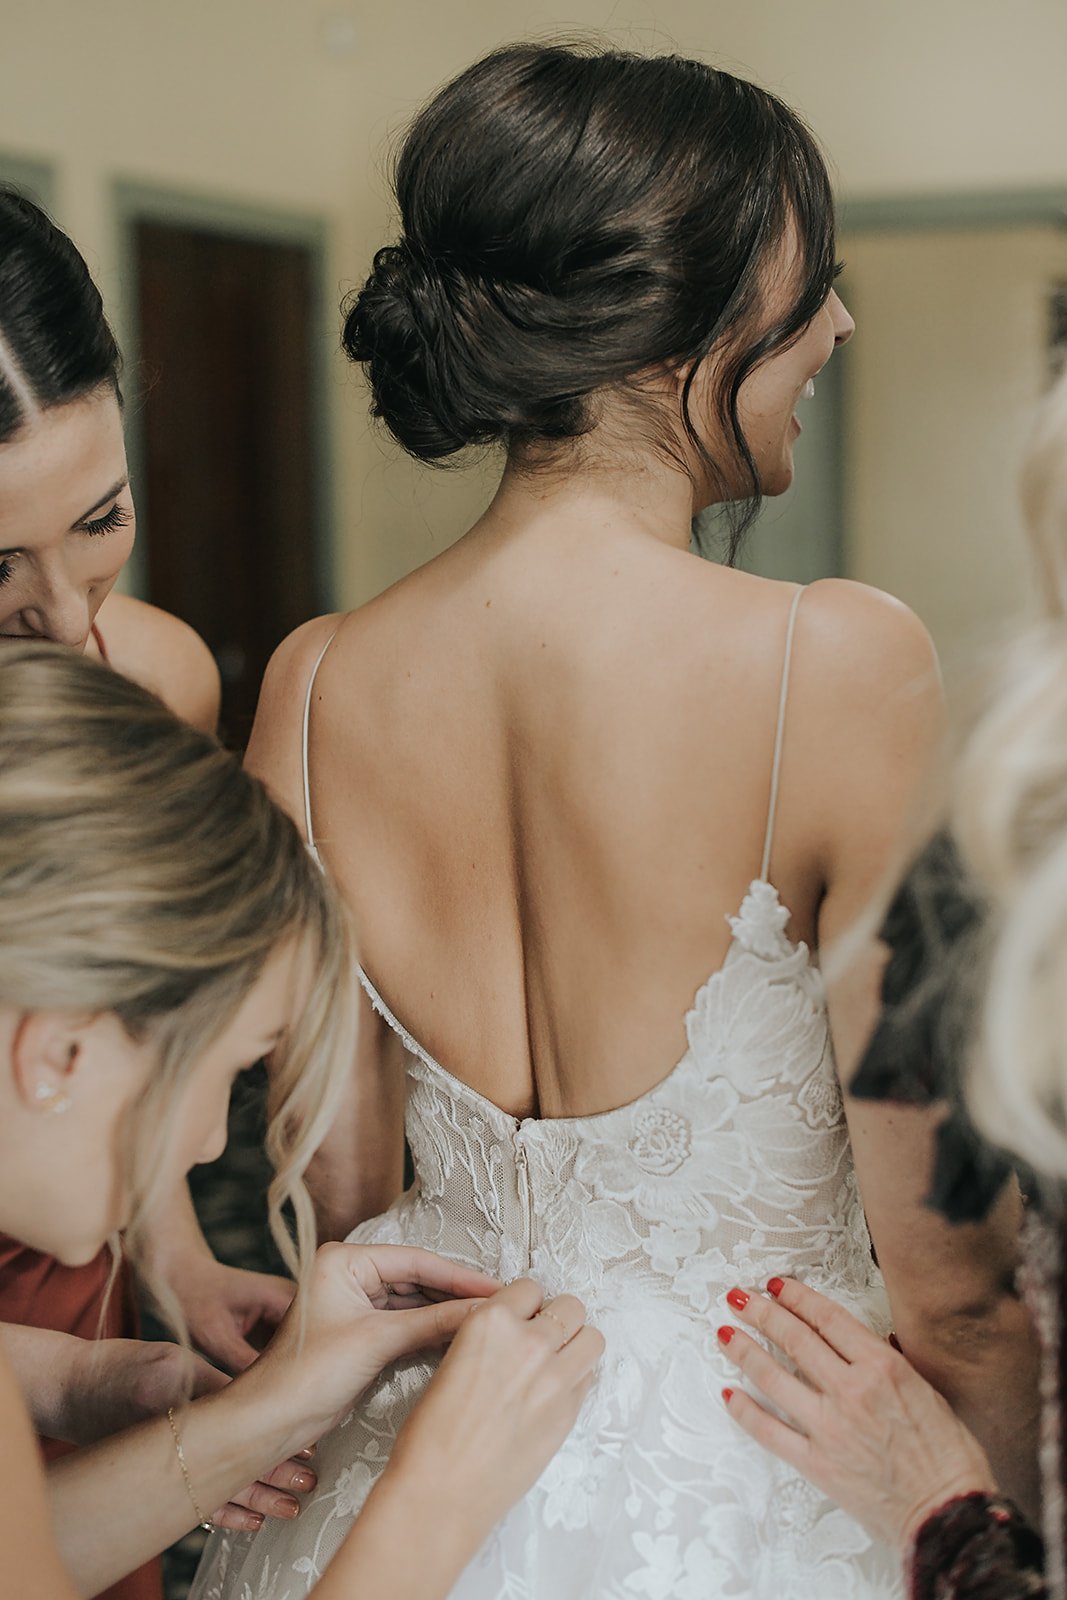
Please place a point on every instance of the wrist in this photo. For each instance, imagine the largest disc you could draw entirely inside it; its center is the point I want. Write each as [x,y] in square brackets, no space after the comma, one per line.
[972,1486]
[450,1530]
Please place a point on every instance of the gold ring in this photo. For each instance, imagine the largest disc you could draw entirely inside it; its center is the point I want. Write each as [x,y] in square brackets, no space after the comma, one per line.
[567,1335]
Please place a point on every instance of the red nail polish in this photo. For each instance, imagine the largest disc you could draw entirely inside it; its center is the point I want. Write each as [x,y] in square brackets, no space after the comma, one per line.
[728,1395]
[775,1286]
[738,1299]
[726,1334]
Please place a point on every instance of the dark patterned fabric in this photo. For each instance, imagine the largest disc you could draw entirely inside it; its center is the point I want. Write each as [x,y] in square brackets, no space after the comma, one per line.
[937,959]
[978,1548]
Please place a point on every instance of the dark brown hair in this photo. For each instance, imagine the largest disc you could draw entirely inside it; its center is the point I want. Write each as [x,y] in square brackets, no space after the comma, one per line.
[52,320]
[573,219]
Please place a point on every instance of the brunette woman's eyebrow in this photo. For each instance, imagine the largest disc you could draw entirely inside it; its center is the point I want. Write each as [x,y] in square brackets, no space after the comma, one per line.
[116,489]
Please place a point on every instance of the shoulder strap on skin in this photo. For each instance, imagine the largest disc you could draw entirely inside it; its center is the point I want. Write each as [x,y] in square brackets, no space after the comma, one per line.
[309,832]
[776,767]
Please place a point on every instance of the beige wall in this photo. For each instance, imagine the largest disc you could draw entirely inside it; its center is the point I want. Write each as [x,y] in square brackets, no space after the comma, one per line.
[942,378]
[244,98]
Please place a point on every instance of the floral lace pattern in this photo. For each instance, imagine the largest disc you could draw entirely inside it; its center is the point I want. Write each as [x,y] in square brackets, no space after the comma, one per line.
[734,1168]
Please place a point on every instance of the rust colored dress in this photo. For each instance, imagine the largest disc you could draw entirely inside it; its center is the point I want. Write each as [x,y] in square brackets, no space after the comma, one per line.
[39,1292]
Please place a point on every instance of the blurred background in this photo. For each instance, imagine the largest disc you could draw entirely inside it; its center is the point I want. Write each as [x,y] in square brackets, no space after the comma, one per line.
[224,166]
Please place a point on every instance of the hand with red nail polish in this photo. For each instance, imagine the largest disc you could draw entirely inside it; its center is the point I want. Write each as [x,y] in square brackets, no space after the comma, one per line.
[866,1428]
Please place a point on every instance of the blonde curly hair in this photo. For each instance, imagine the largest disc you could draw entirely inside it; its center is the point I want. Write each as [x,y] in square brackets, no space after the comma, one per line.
[145,874]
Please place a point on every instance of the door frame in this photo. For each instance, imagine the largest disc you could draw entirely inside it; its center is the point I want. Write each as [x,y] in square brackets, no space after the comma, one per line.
[134,201]
[953,209]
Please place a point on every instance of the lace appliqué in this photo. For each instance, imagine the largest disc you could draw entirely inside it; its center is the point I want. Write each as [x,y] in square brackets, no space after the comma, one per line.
[734,1168]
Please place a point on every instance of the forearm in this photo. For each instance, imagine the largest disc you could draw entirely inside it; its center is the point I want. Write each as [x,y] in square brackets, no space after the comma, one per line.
[117,1504]
[45,1365]
[175,1235]
[380,1541]
[987,1367]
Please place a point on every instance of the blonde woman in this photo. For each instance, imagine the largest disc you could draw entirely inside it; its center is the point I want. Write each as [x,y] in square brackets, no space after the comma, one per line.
[976,987]
[67,525]
[162,927]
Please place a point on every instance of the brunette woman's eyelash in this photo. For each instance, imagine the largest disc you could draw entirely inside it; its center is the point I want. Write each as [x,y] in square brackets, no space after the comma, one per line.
[5,571]
[117,517]
[839,267]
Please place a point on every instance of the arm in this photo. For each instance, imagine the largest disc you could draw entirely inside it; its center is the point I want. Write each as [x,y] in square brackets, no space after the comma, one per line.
[222,1305]
[32,1567]
[82,1390]
[47,1367]
[360,1168]
[120,1502]
[950,1287]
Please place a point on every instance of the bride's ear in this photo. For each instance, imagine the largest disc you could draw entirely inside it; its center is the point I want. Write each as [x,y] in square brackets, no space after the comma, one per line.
[45,1051]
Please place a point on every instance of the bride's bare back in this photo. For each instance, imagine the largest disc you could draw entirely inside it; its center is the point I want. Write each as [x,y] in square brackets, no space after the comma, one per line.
[540,771]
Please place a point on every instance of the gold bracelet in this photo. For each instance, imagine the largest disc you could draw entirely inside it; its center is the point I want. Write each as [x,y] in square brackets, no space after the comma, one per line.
[201,1520]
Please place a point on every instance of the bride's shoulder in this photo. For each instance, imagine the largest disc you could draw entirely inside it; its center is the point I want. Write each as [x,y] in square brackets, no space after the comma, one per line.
[859,649]
[866,624]
[865,688]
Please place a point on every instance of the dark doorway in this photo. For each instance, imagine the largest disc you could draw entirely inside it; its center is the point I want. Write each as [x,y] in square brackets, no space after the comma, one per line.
[227,481]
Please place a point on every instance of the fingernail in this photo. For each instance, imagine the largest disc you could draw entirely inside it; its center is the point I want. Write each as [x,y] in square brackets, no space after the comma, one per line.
[895,1342]
[288,1508]
[305,1455]
[738,1299]
[255,1521]
[775,1286]
[726,1334]
[728,1395]
[303,1480]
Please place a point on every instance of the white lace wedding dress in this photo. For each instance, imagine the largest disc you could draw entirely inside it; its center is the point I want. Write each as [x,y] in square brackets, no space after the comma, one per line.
[735,1168]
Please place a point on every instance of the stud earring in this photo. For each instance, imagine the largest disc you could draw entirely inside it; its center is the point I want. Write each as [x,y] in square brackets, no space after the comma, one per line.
[50,1099]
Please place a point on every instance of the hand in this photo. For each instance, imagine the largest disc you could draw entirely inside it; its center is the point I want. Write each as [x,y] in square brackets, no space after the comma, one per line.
[506,1396]
[868,1430]
[230,1312]
[116,1383]
[364,1306]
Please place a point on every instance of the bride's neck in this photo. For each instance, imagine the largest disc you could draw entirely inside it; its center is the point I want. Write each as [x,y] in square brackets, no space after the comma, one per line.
[648,496]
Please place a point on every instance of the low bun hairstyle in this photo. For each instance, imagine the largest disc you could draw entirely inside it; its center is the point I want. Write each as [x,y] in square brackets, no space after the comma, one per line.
[573,219]
[55,342]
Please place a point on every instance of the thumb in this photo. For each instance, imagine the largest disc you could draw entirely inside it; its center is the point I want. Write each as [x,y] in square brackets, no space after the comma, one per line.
[401,1333]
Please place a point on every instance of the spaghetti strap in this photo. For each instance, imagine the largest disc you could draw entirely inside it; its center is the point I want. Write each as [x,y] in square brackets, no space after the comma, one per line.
[309,832]
[779,734]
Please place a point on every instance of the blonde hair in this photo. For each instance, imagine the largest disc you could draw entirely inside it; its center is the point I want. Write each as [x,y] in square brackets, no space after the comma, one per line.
[1009,816]
[145,874]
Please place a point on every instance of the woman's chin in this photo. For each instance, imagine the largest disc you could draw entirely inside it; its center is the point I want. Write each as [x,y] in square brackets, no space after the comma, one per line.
[778,480]
[71,1253]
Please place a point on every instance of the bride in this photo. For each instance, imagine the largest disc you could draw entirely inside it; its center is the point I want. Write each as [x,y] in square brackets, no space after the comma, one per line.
[595,804]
